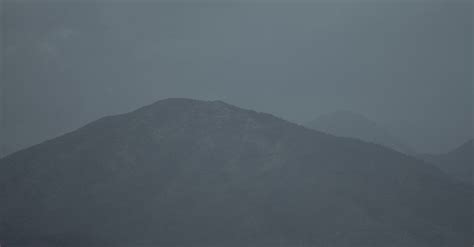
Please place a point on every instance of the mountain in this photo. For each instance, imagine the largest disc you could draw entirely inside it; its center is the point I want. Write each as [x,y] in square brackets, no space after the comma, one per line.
[8,149]
[353,125]
[184,172]
[458,163]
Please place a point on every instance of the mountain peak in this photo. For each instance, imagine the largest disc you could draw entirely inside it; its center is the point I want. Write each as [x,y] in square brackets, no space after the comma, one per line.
[344,119]
[189,101]
[354,125]
[188,104]
[183,172]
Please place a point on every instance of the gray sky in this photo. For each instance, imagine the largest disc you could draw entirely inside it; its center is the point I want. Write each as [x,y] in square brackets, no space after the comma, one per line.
[407,65]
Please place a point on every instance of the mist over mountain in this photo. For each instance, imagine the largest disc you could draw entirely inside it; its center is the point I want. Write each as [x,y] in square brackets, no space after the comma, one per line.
[407,66]
[458,163]
[184,172]
[353,125]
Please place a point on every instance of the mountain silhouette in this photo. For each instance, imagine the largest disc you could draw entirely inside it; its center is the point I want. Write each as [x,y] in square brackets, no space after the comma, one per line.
[353,125]
[184,172]
[458,163]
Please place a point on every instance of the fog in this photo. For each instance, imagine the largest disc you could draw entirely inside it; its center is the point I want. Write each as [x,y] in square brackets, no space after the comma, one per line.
[406,65]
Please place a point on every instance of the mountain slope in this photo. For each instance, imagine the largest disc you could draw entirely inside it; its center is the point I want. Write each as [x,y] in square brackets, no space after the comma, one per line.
[349,124]
[195,173]
[457,163]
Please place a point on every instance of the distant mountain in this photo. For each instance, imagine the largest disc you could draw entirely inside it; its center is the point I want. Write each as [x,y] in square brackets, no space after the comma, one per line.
[184,172]
[458,163]
[353,125]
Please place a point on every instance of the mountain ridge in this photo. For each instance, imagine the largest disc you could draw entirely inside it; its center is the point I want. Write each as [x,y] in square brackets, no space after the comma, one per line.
[353,125]
[458,163]
[189,172]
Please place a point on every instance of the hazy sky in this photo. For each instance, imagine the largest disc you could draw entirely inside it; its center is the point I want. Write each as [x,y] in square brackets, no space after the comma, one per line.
[405,64]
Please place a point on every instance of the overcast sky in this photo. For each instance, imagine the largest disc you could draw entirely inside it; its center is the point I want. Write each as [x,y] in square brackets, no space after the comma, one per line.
[405,64]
